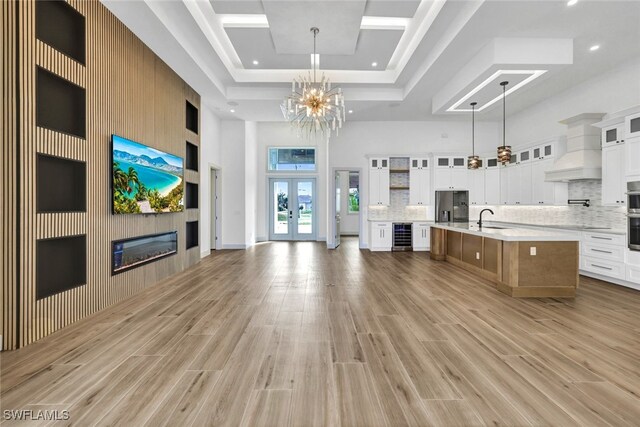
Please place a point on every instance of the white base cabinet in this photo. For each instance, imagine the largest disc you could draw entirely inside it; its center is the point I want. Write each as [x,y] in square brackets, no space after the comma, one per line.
[380,236]
[421,236]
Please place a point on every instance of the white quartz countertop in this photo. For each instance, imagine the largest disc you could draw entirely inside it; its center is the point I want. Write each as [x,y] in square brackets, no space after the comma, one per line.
[571,227]
[506,233]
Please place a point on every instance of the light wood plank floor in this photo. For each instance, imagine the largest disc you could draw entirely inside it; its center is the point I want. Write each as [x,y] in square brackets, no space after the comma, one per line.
[294,334]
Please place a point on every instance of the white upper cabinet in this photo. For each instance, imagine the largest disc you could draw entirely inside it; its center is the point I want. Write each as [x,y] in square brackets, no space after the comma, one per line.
[419,182]
[543,192]
[491,182]
[613,135]
[504,185]
[632,150]
[632,137]
[632,126]
[450,173]
[543,151]
[476,180]
[613,179]
[379,181]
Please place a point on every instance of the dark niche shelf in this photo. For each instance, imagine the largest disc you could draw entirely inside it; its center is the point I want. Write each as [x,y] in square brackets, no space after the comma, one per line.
[60,104]
[192,118]
[191,161]
[61,264]
[62,27]
[60,185]
[191,196]
[192,234]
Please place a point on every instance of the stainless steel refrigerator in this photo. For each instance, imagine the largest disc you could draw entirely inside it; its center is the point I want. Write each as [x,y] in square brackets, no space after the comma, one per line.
[452,206]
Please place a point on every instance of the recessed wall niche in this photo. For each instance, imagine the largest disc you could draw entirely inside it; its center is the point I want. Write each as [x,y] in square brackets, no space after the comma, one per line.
[60,185]
[192,234]
[61,264]
[60,104]
[192,157]
[192,118]
[62,27]
[191,196]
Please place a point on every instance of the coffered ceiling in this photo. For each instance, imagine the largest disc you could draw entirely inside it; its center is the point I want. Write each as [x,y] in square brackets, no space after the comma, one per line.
[396,60]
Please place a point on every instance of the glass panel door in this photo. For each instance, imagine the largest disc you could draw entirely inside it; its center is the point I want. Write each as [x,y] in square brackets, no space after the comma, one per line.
[279,210]
[292,209]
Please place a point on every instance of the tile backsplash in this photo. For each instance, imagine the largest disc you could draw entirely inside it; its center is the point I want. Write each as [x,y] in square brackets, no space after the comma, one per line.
[595,215]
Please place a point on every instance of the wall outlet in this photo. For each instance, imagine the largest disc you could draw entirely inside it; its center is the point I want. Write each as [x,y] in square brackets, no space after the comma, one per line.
[477,255]
[532,251]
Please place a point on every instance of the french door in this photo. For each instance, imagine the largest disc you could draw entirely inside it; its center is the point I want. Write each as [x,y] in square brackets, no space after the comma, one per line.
[292,209]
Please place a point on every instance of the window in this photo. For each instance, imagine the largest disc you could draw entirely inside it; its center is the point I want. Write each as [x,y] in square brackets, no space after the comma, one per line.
[292,159]
[354,193]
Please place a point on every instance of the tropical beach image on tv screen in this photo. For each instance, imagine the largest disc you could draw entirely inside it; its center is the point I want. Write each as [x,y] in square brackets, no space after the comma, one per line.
[145,180]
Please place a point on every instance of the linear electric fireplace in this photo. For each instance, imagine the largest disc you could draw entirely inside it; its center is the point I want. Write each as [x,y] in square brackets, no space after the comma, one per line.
[137,251]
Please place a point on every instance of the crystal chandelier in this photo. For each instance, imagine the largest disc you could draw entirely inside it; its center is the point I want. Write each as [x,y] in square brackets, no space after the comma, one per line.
[473,161]
[313,106]
[504,151]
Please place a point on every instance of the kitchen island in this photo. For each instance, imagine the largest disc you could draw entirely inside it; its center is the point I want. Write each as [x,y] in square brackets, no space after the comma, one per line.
[521,262]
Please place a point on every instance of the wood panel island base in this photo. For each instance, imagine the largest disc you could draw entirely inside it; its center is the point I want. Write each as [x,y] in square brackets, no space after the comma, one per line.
[522,262]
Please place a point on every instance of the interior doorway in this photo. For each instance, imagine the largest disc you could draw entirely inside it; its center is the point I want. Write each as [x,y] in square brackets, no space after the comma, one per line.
[292,209]
[345,204]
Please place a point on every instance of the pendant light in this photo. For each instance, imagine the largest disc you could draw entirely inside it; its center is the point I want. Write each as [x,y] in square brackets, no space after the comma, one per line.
[473,161]
[504,151]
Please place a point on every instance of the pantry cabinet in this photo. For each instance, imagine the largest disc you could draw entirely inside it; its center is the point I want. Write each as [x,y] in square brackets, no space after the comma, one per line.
[632,155]
[419,182]
[476,180]
[379,181]
[613,176]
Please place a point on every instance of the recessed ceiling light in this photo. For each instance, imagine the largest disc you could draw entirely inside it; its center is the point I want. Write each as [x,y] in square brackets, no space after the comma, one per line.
[255,62]
[374,64]
[350,111]
[594,47]
[232,110]
[572,2]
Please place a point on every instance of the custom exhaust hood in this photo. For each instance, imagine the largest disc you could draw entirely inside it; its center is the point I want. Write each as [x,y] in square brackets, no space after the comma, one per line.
[583,158]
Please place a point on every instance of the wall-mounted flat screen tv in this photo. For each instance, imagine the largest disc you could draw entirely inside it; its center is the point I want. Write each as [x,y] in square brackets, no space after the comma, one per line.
[145,180]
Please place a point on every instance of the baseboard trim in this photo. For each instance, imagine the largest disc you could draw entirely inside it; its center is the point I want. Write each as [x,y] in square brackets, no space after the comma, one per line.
[205,253]
[612,280]
[235,246]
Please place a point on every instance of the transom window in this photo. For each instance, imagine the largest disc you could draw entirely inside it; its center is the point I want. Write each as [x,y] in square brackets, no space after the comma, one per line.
[292,159]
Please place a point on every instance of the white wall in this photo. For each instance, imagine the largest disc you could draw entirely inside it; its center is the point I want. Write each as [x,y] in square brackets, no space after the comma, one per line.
[349,223]
[232,139]
[209,156]
[608,93]
[250,181]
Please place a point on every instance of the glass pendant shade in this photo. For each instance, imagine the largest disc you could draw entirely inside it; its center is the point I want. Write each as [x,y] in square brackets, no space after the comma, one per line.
[504,154]
[473,162]
[504,151]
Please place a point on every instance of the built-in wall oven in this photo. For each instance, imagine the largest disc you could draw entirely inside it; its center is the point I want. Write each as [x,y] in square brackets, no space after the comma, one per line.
[633,214]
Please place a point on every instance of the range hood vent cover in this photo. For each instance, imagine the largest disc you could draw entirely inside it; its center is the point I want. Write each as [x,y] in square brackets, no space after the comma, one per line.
[583,159]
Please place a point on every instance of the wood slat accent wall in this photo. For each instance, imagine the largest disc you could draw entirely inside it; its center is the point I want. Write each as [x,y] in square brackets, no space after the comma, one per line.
[129,92]
[8,176]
